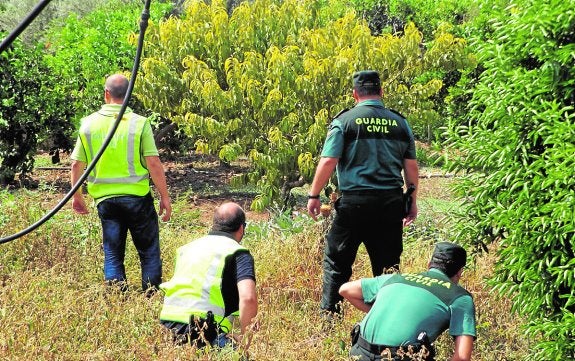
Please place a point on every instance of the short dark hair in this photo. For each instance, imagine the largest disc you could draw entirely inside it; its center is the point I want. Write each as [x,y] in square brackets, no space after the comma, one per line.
[367,90]
[446,267]
[228,217]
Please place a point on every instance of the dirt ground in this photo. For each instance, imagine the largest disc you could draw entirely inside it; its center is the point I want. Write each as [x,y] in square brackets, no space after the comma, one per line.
[202,179]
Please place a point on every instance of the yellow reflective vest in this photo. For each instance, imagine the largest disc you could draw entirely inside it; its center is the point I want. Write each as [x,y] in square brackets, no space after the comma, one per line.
[195,287]
[120,170]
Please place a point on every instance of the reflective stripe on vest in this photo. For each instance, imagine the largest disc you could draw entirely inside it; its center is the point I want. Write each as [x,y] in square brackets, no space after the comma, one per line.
[195,287]
[120,170]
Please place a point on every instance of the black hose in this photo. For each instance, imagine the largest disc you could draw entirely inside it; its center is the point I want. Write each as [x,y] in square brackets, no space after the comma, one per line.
[23,25]
[143,25]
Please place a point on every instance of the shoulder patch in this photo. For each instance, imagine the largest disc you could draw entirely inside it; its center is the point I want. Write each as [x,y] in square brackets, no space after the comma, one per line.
[398,113]
[341,112]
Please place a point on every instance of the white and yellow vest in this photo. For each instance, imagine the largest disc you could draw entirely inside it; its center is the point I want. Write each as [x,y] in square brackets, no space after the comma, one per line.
[195,287]
[120,169]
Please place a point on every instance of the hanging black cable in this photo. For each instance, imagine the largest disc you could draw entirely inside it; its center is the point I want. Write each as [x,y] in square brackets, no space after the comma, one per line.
[23,25]
[143,25]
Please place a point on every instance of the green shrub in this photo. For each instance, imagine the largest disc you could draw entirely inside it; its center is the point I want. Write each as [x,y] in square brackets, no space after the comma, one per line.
[391,16]
[429,156]
[83,50]
[266,81]
[12,12]
[34,110]
[517,144]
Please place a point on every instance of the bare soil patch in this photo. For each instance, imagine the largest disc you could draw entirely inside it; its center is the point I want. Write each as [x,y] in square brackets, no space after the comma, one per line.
[202,179]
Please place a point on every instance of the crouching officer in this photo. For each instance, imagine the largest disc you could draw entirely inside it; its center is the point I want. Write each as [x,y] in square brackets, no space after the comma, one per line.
[214,279]
[407,312]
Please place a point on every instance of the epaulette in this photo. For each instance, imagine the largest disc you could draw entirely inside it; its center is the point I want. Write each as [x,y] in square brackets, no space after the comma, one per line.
[340,113]
[396,112]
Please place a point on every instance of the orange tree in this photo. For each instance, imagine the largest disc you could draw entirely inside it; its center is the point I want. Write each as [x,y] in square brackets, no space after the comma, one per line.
[33,112]
[265,81]
[515,146]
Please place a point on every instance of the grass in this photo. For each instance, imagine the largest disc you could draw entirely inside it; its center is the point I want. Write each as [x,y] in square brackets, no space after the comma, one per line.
[53,305]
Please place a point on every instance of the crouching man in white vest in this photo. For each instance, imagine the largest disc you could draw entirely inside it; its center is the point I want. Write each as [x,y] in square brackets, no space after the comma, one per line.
[214,280]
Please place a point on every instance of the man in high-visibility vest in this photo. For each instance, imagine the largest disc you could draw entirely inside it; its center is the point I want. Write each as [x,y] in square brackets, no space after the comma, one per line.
[214,280]
[120,186]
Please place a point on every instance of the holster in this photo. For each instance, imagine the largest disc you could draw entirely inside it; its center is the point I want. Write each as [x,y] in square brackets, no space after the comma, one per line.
[423,339]
[202,331]
[408,199]
[355,331]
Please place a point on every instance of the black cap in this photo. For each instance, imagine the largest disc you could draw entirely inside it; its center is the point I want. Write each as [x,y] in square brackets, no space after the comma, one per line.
[366,78]
[451,254]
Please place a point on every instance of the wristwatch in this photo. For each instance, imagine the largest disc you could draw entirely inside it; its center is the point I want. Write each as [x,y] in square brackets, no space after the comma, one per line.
[309,196]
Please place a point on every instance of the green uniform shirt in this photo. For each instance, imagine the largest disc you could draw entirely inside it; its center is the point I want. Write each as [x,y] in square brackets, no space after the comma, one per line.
[371,143]
[108,113]
[405,305]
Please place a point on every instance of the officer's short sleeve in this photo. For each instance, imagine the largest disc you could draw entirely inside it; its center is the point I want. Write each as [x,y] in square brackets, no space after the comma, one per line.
[462,317]
[79,153]
[371,286]
[148,145]
[333,146]
[410,152]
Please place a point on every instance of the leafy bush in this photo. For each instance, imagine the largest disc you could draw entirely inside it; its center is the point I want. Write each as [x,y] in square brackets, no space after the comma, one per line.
[390,16]
[12,12]
[265,81]
[44,95]
[33,111]
[517,145]
[429,156]
[85,49]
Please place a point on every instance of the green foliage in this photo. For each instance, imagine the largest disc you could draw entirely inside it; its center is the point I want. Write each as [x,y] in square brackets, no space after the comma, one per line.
[86,49]
[391,16]
[433,19]
[283,224]
[429,156]
[517,145]
[12,12]
[33,111]
[266,81]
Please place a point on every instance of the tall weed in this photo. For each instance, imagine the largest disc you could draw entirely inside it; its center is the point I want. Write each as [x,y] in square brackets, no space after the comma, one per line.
[54,306]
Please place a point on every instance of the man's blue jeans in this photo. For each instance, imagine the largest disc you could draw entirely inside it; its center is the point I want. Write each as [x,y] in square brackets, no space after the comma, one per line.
[138,215]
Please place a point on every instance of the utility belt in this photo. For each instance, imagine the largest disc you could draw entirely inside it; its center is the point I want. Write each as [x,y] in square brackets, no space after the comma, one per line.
[372,192]
[378,349]
[200,331]
[423,351]
[203,330]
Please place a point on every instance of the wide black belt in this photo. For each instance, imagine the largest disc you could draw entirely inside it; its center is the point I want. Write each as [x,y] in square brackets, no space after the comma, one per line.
[374,348]
[372,192]
[378,349]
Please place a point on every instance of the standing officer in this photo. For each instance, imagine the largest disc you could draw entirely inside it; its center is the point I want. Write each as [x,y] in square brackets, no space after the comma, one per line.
[410,311]
[120,185]
[370,145]
[214,279]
